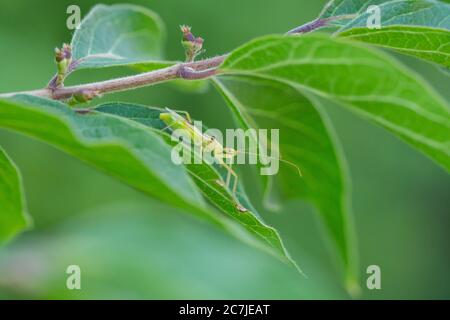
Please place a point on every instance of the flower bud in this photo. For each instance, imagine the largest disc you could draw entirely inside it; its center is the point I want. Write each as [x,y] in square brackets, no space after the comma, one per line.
[63,59]
[83,97]
[192,46]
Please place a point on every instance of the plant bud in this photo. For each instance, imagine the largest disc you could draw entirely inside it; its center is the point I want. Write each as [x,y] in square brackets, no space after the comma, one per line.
[192,45]
[83,97]
[63,59]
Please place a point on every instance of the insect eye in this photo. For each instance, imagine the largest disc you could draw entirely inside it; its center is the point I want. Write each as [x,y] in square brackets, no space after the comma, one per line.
[213,138]
[180,139]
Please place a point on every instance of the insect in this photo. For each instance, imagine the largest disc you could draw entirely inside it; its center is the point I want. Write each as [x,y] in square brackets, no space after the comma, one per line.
[223,155]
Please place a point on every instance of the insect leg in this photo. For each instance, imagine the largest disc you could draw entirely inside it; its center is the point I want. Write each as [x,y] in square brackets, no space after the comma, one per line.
[228,176]
[235,184]
[231,172]
[235,176]
[186,115]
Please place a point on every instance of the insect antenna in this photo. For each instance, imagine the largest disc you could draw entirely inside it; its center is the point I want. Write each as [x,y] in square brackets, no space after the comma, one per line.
[275,158]
[167,127]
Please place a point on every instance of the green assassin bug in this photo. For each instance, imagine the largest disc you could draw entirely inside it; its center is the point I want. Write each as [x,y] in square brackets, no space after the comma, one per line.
[223,155]
[208,143]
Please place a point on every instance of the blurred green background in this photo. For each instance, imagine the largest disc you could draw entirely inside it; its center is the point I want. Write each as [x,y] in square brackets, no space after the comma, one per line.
[128,246]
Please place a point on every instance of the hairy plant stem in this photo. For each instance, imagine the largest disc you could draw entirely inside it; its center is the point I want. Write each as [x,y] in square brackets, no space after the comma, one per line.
[204,68]
[308,27]
[189,71]
[318,23]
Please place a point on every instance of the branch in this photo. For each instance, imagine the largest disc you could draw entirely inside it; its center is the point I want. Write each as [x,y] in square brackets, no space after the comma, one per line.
[308,27]
[189,71]
[318,23]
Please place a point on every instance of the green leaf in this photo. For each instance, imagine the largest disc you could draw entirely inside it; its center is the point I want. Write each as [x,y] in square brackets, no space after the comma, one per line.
[115,35]
[132,153]
[420,28]
[428,13]
[307,140]
[205,176]
[335,8]
[425,43]
[362,79]
[317,66]
[124,35]
[13,215]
